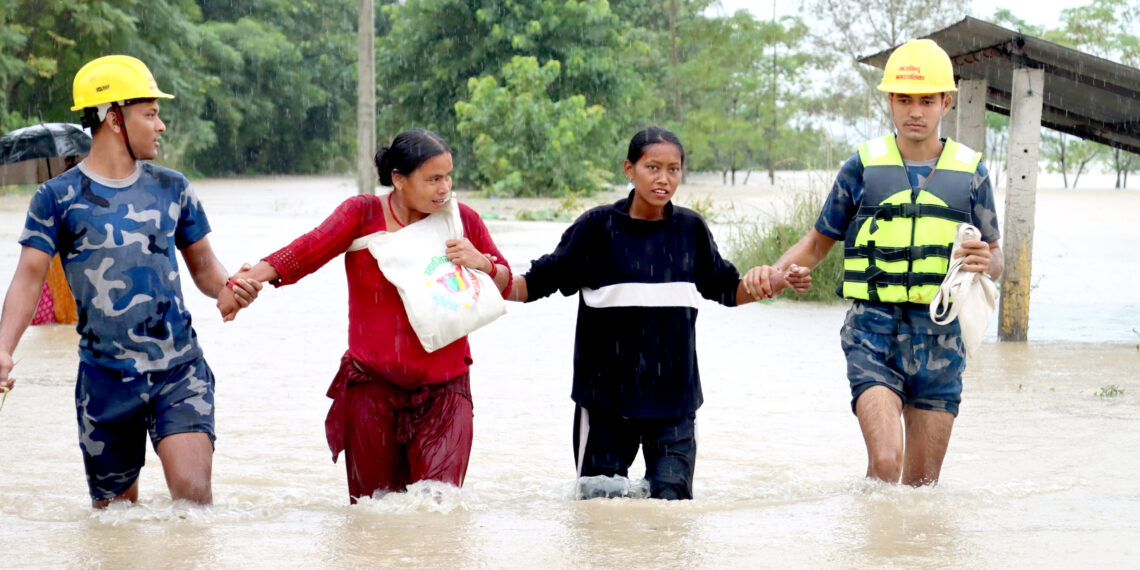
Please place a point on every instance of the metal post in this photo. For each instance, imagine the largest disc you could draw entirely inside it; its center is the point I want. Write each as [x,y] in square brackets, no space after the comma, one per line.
[1020,202]
[366,98]
[972,114]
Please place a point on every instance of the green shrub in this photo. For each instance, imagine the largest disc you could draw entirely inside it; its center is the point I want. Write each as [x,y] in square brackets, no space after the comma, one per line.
[763,243]
[712,211]
[1110,391]
[525,144]
[569,207]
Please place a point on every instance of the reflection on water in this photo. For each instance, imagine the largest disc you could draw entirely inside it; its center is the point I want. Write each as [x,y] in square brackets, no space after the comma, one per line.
[1039,470]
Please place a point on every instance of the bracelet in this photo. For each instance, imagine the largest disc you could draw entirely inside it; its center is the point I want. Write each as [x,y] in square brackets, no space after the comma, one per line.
[494,270]
[232,283]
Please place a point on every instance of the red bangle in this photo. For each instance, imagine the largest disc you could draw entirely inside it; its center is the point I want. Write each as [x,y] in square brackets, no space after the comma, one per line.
[232,283]
[494,270]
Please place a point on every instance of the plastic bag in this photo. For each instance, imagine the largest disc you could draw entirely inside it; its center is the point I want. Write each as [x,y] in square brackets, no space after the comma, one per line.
[968,296]
[444,301]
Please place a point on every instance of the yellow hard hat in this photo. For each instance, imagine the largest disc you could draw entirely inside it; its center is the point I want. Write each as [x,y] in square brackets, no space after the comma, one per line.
[918,67]
[114,78]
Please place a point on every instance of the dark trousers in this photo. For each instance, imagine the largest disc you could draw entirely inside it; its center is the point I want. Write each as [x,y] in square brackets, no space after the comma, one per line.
[607,443]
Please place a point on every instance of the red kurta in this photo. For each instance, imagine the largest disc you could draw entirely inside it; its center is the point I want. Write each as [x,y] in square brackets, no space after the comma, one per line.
[385,348]
[379,334]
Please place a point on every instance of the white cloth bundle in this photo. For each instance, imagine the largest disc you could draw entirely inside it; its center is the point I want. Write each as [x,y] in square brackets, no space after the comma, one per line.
[444,301]
[968,296]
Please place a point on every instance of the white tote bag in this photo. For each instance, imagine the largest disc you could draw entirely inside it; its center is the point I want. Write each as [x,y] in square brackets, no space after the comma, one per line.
[968,296]
[444,301]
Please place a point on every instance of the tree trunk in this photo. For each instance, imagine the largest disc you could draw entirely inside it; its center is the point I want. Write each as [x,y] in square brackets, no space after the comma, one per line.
[1081,169]
[677,115]
[1064,168]
[1116,166]
[775,92]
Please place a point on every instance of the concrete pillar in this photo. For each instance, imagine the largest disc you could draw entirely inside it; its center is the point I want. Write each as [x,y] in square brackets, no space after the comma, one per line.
[949,127]
[366,98]
[972,114]
[1020,202]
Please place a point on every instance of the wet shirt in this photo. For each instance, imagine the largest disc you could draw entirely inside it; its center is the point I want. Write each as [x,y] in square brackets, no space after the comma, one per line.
[117,240]
[839,210]
[380,336]
[638,284]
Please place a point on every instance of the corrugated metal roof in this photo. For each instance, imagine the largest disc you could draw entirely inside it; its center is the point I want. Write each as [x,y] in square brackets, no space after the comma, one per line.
[1085,95]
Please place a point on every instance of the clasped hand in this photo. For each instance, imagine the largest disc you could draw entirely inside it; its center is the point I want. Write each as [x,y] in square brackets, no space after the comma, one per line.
[237,293]
[767,282]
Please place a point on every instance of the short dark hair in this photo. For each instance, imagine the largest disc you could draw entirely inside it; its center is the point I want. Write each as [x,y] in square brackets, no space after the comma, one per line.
[651,136]
[407,152]
[90,115]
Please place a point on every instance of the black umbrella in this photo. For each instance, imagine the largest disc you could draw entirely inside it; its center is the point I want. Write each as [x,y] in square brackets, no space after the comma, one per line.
[35,154]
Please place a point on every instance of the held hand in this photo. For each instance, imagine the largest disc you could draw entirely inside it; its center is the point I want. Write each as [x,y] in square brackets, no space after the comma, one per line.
[237,294]
[975,254]
[462,252]
[758,282]
[228,304]
[6,364]
[798,278]
[245,290]
[766,282]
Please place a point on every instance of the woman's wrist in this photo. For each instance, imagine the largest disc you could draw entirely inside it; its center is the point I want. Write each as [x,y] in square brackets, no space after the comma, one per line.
[494,269]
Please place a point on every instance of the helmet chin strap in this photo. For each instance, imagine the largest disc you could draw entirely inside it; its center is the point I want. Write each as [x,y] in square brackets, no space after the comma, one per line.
[123,129]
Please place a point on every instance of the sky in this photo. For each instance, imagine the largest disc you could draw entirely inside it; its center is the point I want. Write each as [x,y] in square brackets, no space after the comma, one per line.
[1039,12]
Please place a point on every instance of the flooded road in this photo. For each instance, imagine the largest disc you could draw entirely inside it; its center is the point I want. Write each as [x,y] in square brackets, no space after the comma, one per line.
[1039,470]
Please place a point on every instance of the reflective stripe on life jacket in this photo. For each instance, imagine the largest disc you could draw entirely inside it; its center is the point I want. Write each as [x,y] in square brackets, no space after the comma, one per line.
[897,249]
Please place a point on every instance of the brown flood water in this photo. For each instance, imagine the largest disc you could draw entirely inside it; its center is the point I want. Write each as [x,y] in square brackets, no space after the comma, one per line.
[1039,471]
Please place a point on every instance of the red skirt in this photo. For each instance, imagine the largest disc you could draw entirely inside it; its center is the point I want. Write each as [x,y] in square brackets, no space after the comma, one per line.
[394,437]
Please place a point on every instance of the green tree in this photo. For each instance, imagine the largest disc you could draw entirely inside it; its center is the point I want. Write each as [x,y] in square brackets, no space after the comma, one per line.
[743,86]
[1121,162]
[1106,28]
[284,98]
[997,145]
[1068,154]
[662,24]
[435,46]
[525,144]
[58,37]
[263,86]
[13,37]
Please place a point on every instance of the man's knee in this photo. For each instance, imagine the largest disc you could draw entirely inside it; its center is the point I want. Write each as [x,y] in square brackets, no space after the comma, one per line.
[190,487]
[187,462]
[884,463]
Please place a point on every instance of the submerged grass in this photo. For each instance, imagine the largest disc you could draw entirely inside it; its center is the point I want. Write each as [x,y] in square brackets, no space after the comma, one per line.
[763,243]
[1110,391]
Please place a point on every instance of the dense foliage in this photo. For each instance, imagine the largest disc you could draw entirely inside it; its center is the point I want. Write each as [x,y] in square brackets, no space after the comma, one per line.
[537,97]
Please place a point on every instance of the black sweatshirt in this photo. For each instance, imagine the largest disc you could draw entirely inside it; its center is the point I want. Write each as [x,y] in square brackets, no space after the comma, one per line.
[639,283]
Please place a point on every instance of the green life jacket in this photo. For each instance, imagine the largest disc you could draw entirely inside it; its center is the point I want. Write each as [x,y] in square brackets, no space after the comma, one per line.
[897,249]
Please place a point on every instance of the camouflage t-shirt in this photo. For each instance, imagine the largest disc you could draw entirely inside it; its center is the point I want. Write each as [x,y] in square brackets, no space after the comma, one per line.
[117,240]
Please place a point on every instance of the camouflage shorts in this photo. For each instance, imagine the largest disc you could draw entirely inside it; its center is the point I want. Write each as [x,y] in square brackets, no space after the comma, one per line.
[115,411]
[923,366]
